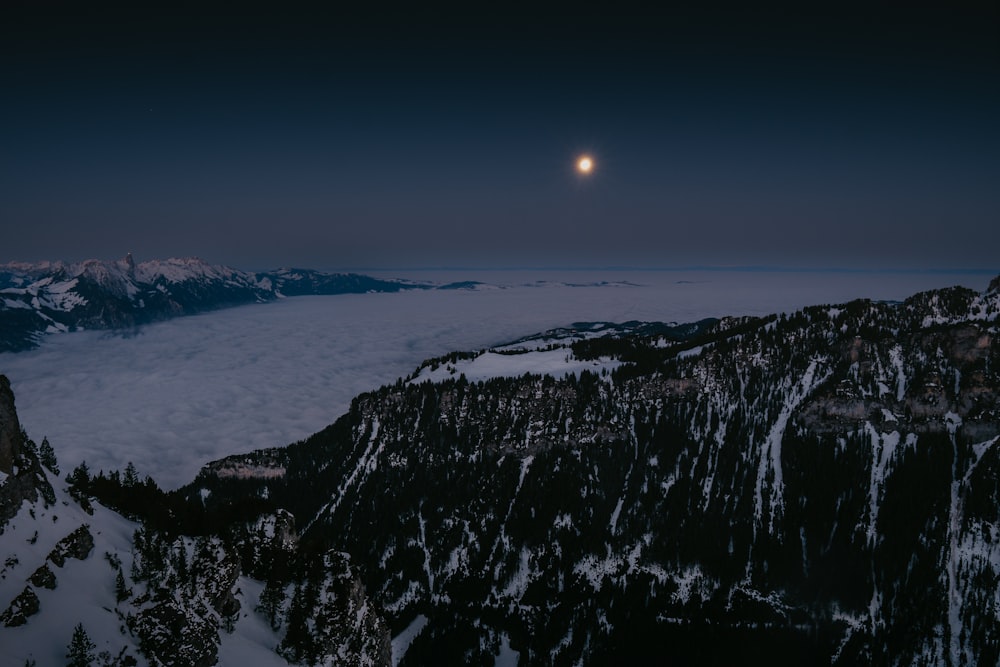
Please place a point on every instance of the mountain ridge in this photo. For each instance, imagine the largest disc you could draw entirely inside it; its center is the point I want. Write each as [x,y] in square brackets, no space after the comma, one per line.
[756,489]
[816,487]
[49,297]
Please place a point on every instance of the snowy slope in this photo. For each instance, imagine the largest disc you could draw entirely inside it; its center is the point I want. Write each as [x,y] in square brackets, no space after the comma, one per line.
[85,589]
[490,364]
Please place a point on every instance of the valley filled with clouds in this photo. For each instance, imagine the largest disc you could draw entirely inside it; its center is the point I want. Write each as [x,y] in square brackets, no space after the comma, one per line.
[175,395]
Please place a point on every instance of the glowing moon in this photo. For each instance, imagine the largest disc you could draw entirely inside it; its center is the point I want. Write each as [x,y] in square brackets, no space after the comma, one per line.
[585,164]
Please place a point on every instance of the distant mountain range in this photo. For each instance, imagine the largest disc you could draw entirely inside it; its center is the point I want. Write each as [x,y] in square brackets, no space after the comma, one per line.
[819,487]
[48,297]
[39,298]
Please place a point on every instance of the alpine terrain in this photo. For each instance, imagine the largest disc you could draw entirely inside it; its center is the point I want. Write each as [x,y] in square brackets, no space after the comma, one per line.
[49,297]
[819,487]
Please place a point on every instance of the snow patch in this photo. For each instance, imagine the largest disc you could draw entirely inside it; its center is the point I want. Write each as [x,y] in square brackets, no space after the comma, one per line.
[401,642]
[558,363]
[884,447]
[769,465]
[508,657]
[614,515]
[896,359]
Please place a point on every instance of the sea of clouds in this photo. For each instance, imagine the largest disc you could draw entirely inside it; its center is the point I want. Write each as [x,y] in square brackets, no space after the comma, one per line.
[178,394]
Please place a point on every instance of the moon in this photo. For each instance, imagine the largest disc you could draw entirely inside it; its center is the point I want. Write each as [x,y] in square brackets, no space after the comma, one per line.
[585,164]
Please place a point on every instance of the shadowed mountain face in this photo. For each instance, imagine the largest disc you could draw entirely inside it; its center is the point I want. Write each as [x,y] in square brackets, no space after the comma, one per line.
[10,428]
[21,476]
[817,488]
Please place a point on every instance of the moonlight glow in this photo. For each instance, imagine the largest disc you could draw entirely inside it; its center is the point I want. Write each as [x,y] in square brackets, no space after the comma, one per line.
[585,164]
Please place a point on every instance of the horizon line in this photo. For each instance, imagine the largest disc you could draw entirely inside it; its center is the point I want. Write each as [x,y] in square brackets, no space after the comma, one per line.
[748,268]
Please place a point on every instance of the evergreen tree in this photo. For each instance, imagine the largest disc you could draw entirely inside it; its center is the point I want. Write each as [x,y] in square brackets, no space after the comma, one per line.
[296,642]
[80,477]
[47,455]
[80,486]
[271,600]
[180,563]
[122,591]
[80,650]
[131,476]
[29,444]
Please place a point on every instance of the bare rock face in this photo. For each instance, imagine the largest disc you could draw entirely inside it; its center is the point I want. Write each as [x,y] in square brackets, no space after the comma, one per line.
[220,578]
[174,636]
[77,544]
[284,528]
[10,428]
[21,475]
[330,620]
[21,607]
[44,577]
[936,372]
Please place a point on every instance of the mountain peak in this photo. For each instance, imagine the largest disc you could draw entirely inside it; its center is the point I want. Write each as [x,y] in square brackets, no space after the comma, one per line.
[129,263]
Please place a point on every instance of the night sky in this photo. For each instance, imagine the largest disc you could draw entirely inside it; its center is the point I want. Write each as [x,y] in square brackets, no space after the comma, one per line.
[852,136]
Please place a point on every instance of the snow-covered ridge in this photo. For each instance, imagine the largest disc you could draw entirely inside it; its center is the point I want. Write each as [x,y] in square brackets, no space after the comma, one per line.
[178,270]
[47,297]
[125,270]
[121,277]
[491,364]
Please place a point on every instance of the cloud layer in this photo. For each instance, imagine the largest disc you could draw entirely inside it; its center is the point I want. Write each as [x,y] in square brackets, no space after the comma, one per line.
[191,390]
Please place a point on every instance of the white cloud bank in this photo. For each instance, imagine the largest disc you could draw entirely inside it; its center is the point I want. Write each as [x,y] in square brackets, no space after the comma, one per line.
[191,390]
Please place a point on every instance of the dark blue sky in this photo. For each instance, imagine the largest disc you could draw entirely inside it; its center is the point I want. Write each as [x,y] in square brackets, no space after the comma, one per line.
[854,137]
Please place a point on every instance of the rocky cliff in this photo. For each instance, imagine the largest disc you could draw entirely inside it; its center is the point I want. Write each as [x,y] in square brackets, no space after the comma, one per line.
[21,476]
[812,488]
[10,429]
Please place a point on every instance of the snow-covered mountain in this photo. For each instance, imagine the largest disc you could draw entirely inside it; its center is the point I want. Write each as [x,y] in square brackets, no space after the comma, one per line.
[48,297]
[813,488]
[141,595]
[818,488]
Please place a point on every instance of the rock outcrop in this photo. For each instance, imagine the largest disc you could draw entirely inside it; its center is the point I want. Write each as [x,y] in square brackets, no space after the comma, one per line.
[44,577]
[21,475]
[10,429]
[23,606]
[171,634]
[77,544]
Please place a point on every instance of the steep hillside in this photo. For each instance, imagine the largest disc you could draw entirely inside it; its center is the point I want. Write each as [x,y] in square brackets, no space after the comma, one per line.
[819,488]
[75,574]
